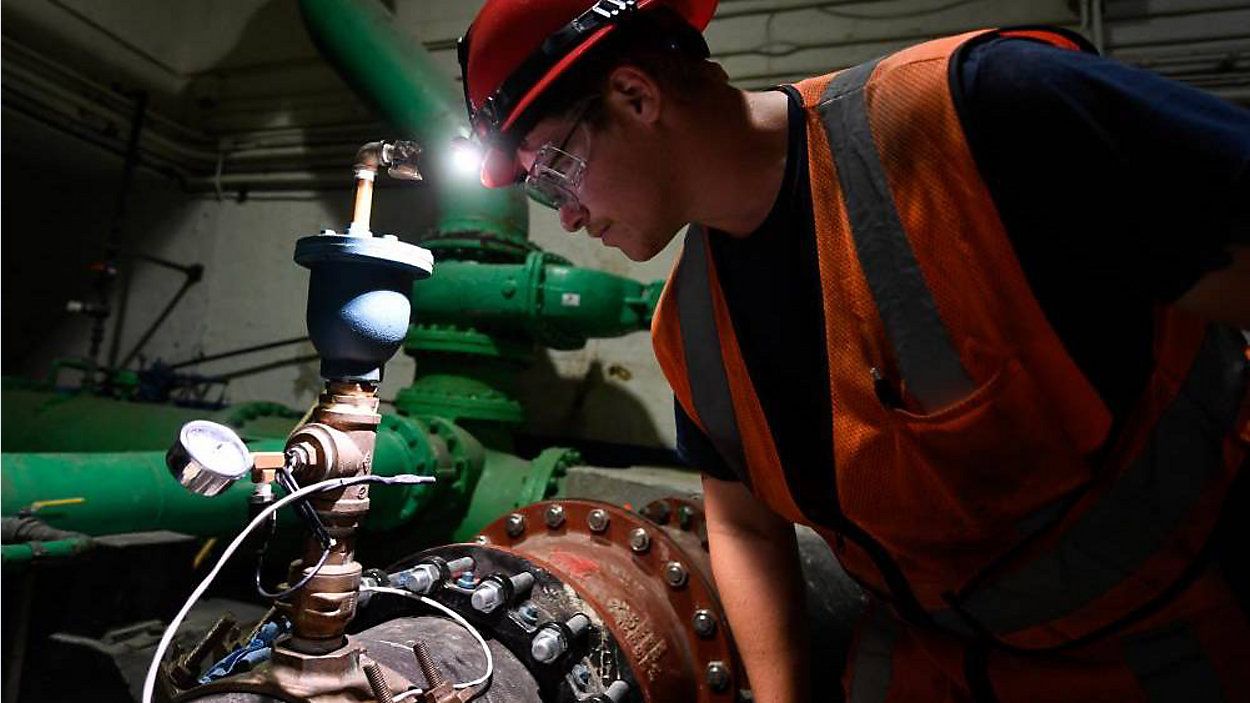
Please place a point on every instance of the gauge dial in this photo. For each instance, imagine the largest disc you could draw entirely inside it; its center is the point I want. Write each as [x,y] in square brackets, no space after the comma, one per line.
[208,457]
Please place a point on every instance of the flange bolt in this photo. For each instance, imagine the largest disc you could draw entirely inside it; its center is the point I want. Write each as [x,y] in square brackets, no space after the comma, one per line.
[717,676]
[554,639]
[639,540]
[497,590]
[675,574]
[597,520]
[704,623]
[514,524]
[554,515]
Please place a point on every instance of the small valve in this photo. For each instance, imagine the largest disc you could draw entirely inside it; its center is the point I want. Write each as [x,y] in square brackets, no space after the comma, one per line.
[400,159]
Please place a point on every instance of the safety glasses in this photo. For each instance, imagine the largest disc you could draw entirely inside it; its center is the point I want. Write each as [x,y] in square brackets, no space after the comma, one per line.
[555,178]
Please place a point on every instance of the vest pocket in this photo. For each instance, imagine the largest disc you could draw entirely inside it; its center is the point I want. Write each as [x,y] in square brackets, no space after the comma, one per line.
[985,465]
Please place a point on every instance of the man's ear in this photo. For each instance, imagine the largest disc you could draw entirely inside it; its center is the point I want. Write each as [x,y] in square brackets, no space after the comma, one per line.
[635,94]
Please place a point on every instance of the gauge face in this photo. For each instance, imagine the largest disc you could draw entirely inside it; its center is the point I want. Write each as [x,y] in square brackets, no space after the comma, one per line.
[216,448]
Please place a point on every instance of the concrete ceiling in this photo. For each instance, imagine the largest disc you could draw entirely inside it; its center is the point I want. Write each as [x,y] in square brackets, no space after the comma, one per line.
[225,73]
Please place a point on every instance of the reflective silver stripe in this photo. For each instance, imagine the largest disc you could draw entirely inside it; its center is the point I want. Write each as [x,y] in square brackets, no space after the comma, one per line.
[874,658]
[705,367]
[1116,536]
[1171,666]
[926,357]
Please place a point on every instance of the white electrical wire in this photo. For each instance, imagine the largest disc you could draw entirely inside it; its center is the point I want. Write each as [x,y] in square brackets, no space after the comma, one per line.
[490,659]
[149,683]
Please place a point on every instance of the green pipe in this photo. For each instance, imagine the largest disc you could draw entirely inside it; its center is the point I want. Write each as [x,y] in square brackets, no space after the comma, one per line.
[555,304]
[397,76]
[117,492]
[509,482]
[38,419]
[19,556]
[101,493]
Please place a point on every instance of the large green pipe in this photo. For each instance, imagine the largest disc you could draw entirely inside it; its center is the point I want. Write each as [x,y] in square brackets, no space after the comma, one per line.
[399,78]
[103,493]
[43,420]
[555,304]
[116,492]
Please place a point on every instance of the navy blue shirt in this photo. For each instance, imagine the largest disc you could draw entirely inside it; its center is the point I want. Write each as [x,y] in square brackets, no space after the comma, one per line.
[1118,189]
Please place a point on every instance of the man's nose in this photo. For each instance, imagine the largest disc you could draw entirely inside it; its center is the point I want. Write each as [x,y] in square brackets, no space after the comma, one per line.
[573,216]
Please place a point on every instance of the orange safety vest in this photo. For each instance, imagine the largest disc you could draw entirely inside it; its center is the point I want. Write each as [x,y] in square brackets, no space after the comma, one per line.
[1016,542]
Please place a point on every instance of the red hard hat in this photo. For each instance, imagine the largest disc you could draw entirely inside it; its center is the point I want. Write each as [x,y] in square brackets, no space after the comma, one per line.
[515,49]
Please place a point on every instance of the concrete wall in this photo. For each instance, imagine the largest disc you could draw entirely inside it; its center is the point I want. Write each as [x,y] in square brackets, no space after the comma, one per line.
[230,78]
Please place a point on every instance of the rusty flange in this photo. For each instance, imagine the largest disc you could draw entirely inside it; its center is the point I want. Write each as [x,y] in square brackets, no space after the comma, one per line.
[650,583]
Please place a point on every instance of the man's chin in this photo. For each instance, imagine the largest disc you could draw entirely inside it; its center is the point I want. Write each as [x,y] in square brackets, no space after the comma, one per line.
[638,250]
[634,252]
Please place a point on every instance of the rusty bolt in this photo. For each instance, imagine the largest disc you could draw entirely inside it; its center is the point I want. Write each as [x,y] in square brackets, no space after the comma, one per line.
[377,680]
[554,515]
[717,676]
[515,524]
[675,574]
[186,671]
[639,540]
[434,677]
[704,623]
[597,520]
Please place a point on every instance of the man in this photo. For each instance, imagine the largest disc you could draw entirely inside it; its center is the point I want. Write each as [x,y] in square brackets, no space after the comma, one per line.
[969,310]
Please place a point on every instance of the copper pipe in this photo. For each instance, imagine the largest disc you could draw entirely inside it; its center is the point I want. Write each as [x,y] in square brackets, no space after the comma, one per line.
[363,209]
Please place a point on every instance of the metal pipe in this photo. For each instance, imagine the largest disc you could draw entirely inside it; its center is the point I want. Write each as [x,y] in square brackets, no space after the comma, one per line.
[115,241]
[406,87]
[41,420]
[14,555]
[203,359]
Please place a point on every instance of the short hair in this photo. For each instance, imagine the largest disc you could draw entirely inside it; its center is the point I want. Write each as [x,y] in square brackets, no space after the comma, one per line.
[657,41]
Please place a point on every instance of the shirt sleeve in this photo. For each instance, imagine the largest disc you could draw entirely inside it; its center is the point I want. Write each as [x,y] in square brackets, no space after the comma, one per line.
[694,448]
[1137,182]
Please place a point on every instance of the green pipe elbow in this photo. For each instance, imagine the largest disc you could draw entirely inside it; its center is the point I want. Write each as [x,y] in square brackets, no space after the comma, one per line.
[394,74]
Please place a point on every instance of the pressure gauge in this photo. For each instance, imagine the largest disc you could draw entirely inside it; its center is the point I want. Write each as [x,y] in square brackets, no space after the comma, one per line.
[208,457]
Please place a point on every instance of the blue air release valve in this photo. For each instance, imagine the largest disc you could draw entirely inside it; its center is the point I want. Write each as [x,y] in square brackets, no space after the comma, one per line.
[358,306]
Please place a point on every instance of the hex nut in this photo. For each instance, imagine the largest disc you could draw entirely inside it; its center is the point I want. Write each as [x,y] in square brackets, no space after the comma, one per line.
[515,524]
[597,520]
[554,515]
[704,622]
[717,676]
[675,574]
[639,540]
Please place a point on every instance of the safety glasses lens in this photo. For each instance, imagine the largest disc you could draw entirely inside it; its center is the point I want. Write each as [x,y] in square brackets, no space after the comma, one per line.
[555,177]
